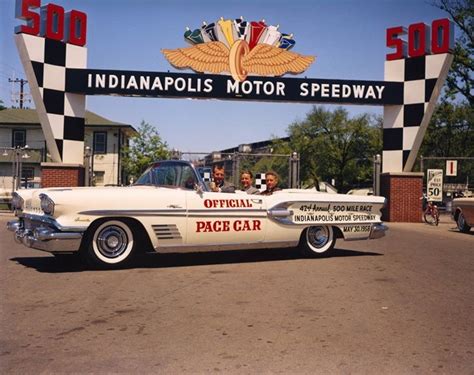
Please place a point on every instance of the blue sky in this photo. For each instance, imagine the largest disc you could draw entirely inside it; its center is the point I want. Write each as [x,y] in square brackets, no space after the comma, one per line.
[347,38]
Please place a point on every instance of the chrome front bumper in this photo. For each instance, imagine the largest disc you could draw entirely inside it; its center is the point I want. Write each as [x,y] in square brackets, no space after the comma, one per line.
[378,231]
[37,235]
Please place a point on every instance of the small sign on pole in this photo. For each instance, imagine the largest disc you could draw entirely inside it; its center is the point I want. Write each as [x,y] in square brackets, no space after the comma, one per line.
[451,167]
[434,185]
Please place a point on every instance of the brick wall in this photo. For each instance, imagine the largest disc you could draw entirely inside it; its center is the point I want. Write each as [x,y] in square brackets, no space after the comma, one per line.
[59,175]
[403,192]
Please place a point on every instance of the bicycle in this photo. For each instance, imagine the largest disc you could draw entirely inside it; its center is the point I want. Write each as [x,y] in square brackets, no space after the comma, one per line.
[430,212]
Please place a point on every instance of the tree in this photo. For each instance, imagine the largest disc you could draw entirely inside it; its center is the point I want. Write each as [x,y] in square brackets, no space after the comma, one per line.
[2,107]
[460,78]
[145,147]
[451,134]
[451,131]
[331,145]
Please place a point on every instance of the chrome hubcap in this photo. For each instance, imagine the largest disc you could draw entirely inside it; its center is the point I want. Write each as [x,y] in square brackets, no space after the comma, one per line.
[112,241]
[318,236]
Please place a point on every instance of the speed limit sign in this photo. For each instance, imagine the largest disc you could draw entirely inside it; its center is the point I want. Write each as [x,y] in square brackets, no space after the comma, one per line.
[434,185]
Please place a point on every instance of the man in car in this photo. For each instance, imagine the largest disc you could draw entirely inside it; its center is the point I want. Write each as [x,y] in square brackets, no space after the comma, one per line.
[246,180]
[218,183]
[271,180]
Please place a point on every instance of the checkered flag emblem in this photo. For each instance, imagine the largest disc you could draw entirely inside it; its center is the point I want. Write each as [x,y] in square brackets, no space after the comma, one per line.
[260,182]
[207,176]
[61,113]
[405,125]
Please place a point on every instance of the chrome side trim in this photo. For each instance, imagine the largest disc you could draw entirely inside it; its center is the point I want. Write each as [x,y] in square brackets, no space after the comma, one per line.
[169,212]
[279,212]
[227,210]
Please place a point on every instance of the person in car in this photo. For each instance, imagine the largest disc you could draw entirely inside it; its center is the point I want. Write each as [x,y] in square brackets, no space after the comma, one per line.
[246,180]
[218,183]
[271,180]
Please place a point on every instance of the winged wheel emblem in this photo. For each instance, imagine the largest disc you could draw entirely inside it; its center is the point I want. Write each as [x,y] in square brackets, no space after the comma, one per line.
[239,48]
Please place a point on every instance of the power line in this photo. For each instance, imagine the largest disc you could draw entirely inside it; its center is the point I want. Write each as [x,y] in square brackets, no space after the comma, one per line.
[22,83]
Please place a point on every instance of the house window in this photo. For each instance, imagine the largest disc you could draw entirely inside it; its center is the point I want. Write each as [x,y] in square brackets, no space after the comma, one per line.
[27,172]
[99,178]
[18,138]
[100,142]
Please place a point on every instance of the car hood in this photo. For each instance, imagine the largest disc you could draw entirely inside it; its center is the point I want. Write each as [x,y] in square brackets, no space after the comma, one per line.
[92,197]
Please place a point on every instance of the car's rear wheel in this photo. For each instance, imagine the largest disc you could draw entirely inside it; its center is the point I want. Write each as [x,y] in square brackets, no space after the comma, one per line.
[110,244]
[461,223]
[317,241]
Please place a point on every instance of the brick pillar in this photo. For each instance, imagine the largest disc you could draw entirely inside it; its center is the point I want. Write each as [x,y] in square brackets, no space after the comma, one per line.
[61,175]
[403,191]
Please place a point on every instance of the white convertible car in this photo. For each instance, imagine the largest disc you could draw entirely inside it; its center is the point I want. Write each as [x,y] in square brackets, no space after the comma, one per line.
[170,209]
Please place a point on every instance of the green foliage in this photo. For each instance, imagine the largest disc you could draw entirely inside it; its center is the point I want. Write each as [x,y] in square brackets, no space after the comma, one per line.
[262,164]
[460,78]
[2,107]
[451,134]
[332,145]
[451,131]
[145,147]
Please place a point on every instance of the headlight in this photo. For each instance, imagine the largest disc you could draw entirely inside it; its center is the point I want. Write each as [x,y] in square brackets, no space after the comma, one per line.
[17,201]
[47,204]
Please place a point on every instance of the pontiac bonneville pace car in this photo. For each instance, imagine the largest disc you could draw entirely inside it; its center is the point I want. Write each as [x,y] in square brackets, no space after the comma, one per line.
[170,209]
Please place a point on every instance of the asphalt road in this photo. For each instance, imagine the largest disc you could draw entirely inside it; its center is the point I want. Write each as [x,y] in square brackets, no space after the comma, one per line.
[398,305]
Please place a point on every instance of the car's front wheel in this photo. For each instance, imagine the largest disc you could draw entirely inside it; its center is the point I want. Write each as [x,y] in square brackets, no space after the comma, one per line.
[461,223]
[109,244]
[317,241]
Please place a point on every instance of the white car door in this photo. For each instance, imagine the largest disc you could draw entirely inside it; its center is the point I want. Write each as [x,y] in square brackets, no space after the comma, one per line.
[225,218]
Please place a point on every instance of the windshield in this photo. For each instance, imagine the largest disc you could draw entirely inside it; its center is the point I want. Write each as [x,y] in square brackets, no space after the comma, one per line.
[170,174]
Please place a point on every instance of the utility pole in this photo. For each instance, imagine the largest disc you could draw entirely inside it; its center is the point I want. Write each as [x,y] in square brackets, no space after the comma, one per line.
[22,83]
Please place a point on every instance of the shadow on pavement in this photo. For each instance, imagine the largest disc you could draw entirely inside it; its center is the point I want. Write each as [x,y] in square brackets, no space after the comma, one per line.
[456,230]
[53,265]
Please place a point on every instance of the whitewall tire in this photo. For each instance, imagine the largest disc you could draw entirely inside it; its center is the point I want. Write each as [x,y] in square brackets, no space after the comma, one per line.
[110,244]
[317,241]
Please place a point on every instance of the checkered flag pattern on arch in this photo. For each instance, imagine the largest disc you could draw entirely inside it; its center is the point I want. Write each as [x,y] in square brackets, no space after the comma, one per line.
[405,125]
[61,113]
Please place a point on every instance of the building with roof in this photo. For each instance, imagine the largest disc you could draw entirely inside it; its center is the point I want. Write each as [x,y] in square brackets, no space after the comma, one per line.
[22,139]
